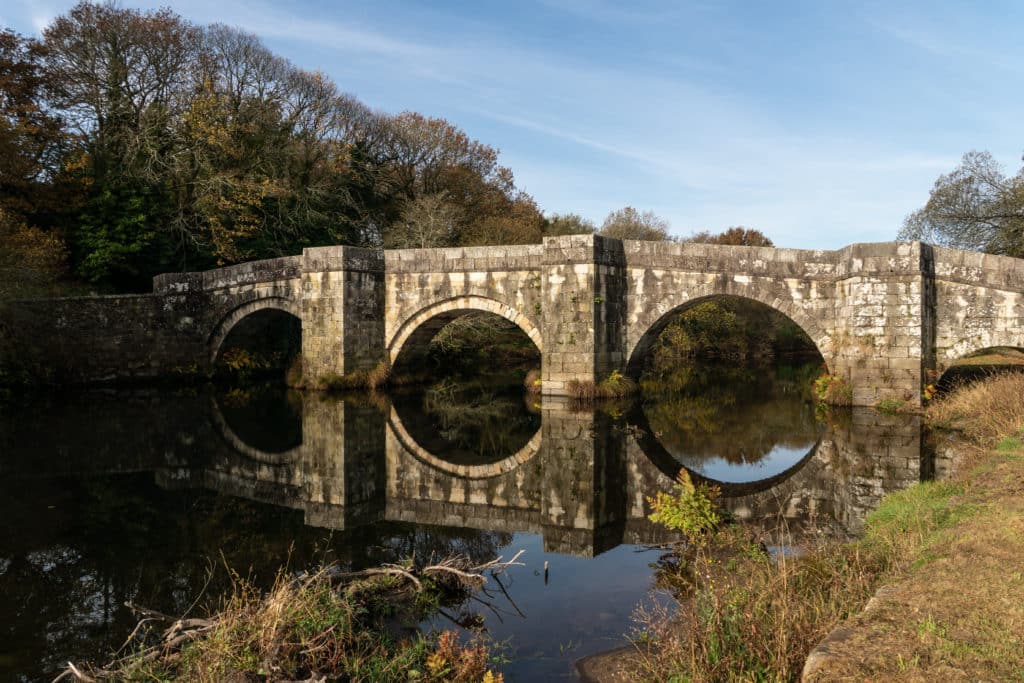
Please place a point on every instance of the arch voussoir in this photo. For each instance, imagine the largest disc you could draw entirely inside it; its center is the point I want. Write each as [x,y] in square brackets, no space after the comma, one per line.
[229,320]
[453,308]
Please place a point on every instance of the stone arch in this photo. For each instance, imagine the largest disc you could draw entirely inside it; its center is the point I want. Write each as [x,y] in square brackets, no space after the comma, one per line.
[242,448]
[947,357]
[638,348]
[224,326]
[493,469]
[428,321]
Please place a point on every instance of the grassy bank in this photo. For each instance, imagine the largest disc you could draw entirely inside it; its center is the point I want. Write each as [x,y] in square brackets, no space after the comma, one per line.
[949,554]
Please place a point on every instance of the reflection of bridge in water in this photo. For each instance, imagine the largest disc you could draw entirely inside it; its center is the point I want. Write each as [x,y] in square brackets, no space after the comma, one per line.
[581,481]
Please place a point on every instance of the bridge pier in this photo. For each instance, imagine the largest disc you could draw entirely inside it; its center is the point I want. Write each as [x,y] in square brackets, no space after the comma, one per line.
[342,294]
[884,320]
[583,293]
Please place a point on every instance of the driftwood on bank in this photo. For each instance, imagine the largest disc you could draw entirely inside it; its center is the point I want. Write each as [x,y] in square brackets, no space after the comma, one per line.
[457,571]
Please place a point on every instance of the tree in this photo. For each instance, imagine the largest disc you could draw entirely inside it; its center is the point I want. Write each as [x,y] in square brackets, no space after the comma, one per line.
[195,146]
[427,221]
[973,207]
[629,224]
[568,224]
[515,220]
[736,235]
[33,140]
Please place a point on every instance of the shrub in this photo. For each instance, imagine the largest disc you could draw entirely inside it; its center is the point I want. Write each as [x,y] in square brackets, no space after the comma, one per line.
[692,510]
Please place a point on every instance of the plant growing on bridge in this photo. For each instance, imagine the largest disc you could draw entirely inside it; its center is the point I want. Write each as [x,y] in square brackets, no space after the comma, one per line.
[833,390]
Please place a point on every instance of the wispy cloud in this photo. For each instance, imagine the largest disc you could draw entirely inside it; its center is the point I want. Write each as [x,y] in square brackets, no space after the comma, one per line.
[951,46]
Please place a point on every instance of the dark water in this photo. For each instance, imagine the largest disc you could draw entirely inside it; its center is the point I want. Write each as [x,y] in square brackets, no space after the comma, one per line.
[146,496]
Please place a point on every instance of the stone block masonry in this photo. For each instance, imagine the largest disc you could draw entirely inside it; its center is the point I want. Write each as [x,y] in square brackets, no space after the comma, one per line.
[880,314]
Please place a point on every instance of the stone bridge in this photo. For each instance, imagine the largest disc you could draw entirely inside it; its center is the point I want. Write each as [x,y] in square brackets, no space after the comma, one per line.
[880,314]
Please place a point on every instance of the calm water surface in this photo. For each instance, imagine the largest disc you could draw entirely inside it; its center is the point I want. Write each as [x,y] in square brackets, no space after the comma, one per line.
[140,496]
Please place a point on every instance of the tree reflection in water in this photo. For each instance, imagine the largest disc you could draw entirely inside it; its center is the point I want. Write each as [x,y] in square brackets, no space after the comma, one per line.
[469,423]
[733,424]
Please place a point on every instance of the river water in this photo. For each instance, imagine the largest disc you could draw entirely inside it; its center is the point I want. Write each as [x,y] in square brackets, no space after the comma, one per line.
[146,496]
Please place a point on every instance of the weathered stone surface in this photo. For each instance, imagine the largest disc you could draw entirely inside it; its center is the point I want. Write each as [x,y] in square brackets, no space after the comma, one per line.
[881,314]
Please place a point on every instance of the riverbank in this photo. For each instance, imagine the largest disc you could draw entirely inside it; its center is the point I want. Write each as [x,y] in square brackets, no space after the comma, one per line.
[947,557]
[953,609]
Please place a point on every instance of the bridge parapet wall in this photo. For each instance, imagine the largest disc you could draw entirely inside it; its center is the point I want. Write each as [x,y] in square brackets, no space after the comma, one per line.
[240,275]
[80,340]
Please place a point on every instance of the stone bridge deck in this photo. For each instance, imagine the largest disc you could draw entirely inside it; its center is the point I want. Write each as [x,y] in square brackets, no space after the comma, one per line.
[880,314]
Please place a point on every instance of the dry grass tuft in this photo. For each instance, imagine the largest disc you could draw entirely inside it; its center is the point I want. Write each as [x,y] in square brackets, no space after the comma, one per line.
[373,379]
[616,385]
[985,411]
[313,628]
[742,615]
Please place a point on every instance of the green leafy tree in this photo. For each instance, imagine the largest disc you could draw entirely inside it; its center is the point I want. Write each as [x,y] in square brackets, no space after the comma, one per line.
[975,206]
[119,237]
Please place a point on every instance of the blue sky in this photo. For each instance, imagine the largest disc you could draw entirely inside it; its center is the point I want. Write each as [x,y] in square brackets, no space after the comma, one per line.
[819,123]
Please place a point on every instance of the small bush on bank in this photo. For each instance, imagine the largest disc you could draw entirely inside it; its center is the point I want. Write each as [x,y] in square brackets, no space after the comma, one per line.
[895,406]
[691,510]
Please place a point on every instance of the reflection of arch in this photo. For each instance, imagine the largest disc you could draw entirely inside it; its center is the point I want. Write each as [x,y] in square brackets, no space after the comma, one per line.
[245,449]
[822,341]
[428,321]
[223,328]
[670,467]
[493,469]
